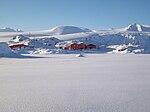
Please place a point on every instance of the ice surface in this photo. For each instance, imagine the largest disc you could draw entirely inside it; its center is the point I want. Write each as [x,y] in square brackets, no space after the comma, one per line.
[66,83]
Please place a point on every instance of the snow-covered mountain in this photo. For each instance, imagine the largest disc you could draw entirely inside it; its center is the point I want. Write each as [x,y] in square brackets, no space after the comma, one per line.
[137,27]
[133,28]
[62,30]
[10,30]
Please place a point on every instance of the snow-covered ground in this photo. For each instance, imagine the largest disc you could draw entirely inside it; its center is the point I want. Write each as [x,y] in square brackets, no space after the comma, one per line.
[67,83]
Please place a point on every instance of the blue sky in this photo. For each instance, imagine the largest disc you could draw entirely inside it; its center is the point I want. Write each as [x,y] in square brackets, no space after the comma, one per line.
[94,14]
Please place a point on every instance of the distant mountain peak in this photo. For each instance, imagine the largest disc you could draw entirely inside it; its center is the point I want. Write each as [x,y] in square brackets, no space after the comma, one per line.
[134,27]
[7,29]
[138,27]
[19,30]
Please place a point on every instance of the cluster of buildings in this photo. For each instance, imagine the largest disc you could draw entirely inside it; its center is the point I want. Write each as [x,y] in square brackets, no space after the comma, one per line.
[75,45]
[18,43]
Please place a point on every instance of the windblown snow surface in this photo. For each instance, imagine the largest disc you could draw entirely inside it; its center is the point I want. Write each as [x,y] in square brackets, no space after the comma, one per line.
[67,83]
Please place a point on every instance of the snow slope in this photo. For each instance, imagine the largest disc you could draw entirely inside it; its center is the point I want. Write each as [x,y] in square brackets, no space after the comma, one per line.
[66,83]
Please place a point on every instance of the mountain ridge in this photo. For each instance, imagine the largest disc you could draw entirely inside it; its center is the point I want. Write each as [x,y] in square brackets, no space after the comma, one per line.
[7,29]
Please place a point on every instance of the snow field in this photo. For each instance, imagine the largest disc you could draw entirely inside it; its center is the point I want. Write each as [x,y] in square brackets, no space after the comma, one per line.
[67,83]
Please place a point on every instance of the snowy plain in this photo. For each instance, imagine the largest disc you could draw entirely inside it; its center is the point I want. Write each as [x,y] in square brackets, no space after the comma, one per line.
[67,83]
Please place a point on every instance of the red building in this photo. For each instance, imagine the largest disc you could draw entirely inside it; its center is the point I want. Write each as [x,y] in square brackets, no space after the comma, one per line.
[78,46]
[20,46]
[72,46]
[91,46]
[81,46]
